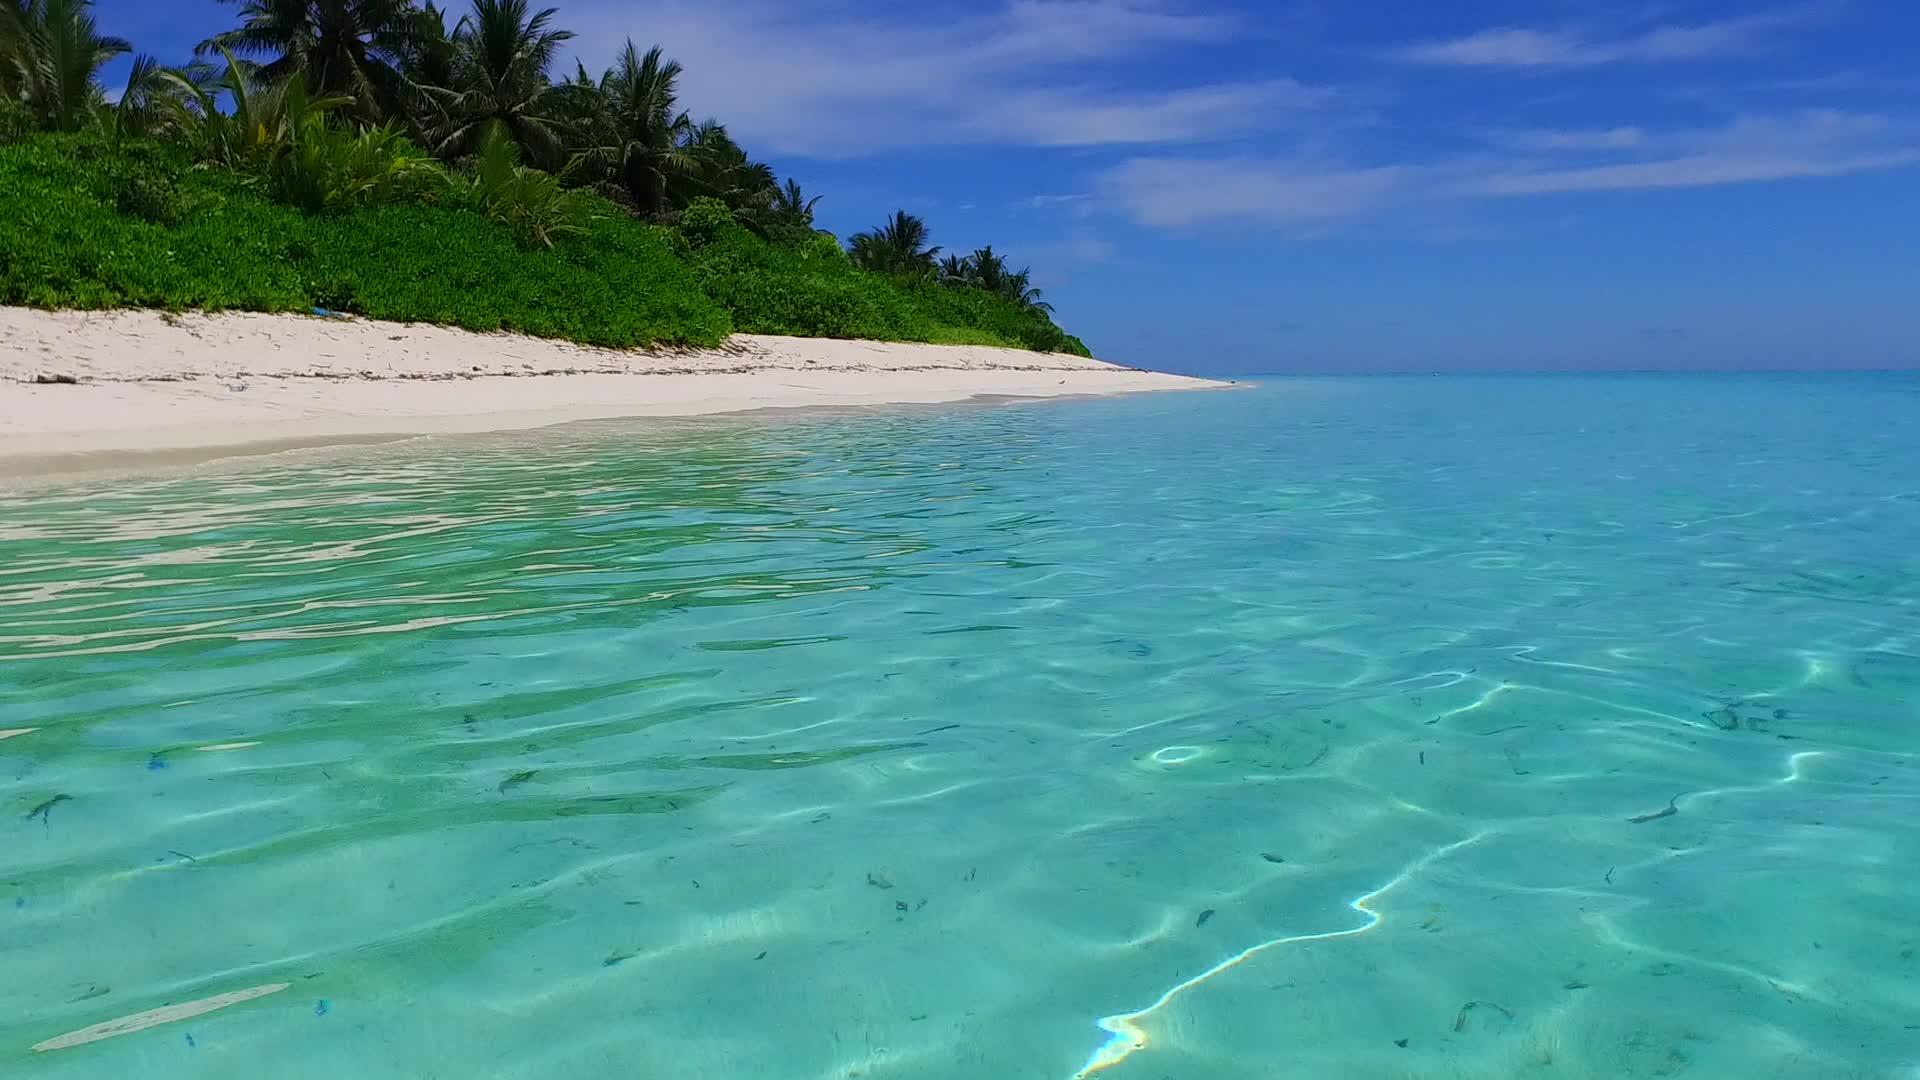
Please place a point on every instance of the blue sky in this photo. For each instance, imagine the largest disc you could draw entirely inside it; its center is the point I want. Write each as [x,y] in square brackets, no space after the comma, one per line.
[1329,185]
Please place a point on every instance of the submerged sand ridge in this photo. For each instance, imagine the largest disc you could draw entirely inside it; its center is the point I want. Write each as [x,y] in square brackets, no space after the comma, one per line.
[97,388]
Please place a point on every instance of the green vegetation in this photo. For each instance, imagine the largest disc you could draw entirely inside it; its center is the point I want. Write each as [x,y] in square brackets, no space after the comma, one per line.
[94,224]
[362,157]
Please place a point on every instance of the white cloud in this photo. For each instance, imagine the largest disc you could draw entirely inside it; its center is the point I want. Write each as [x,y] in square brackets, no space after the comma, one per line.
[1695,170]
[844,78]
[822,78]
[1087,116]
[1501,47]
[1188,191]
[1081,247]
[1752,149]
[1053,30]
[1169,191]
[1619,138]
[1524,48]
[1087,249]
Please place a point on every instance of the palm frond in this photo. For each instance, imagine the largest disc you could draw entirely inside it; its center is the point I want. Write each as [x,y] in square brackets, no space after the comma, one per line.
[354,47]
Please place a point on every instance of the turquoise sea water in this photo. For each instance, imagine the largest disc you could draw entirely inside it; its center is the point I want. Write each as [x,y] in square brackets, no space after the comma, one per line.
[1466,727]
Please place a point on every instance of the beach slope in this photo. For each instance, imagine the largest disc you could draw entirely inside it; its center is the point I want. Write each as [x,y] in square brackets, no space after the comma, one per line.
[94,389]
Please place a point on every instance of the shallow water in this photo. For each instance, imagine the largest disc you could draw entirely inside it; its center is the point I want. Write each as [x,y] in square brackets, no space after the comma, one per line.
[1327,729]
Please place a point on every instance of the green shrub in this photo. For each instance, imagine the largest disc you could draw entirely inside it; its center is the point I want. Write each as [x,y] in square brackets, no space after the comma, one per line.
[154,200]
[804,290]
[16,122]
[804,238]
[329,168]
[615,284]
[771,290]
[705,221]
[978,309]
[821,245]
[143,181]
[806,285]
[94,223]
[531,204]
[65,243]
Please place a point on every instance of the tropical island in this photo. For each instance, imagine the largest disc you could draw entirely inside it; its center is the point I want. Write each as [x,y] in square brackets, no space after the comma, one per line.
[385,160]
[371,158]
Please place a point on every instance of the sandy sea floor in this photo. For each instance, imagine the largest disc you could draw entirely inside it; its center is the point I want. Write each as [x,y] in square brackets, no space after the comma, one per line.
[1369,729]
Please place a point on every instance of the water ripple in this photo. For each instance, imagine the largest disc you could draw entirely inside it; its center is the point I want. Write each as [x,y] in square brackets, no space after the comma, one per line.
[1353,732]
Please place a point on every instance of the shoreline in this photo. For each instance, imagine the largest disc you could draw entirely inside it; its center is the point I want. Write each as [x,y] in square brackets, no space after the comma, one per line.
[140,387]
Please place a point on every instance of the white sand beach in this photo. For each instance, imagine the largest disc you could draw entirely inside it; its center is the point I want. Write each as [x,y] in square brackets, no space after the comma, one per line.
[90,389]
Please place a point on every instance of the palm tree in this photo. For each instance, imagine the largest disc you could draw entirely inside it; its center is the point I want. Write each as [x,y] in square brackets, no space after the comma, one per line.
[51,52]
[987,269]
[723,171]
[791,203]
[581,108]
[427,52]
[501,53]
[426,66]
[261,120]
[1016,288]
[531,202]
[898,247]
[15,56]
[712,151]
[348,48]
[642,142]
[157,100]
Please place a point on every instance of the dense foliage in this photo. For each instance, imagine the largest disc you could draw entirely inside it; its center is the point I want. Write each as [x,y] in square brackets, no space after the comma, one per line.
[361,156]
[91,223]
